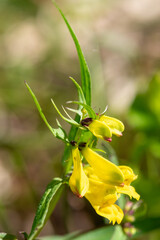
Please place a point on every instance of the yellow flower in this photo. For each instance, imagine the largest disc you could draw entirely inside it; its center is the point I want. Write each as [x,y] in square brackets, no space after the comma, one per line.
[104,169]
[101,183]
[103,196]
[104,127]
[78,181]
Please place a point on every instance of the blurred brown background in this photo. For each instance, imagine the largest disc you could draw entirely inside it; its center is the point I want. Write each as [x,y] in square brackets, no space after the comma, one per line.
[121,43]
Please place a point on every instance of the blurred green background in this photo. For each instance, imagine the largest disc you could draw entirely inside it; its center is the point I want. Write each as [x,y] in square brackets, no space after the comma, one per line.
[121,42]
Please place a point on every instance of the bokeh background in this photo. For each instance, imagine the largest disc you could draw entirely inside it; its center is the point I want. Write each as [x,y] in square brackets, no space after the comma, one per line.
[121,42]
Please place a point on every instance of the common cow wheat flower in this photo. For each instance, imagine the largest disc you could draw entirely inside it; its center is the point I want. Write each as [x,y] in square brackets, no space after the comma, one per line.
[101,183]
[104,127]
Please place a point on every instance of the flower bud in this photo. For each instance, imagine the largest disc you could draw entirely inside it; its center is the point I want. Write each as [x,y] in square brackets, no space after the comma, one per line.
[78,181]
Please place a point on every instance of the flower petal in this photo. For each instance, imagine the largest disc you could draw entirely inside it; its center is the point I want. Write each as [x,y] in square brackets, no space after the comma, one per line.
[129,190]
[100,130]
[99,193]
[112,212]
[116,126]
[78,181]
[128,174]
[104,169]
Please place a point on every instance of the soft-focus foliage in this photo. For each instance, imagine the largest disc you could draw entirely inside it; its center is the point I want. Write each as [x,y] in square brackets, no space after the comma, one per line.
[121,44]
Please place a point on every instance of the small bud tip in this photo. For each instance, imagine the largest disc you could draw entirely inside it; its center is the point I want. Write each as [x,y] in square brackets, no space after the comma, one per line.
[108,139]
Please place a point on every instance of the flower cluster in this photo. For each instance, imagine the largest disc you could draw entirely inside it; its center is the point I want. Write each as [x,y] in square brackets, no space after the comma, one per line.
[101,182]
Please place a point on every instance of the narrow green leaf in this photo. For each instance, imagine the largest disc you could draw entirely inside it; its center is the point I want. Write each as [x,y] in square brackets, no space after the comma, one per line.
[85,75]
[85,80]
[90,111]
[46,206]
[80,92]
[6,236]
[81,99]
[59,132]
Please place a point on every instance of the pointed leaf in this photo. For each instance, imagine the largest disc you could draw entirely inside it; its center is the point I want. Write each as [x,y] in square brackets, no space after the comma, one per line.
[85,75]
[80,92]
[59,132]
[85,80]
[46,206]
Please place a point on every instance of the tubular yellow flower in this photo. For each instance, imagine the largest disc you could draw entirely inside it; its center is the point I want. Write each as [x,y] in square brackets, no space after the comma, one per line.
[78,181]
[101,183]
[104,127]
[104,169]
